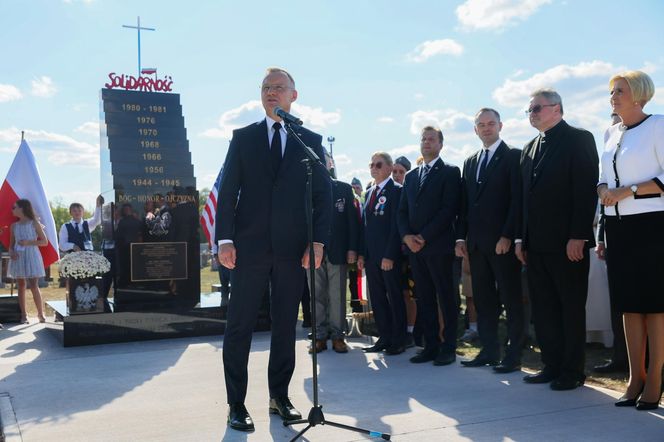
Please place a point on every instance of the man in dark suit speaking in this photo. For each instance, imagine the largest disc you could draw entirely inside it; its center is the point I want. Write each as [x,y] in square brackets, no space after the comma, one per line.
[262,235]
[559,177]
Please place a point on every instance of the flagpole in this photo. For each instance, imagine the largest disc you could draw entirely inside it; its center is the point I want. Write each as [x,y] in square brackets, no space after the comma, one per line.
[22,135]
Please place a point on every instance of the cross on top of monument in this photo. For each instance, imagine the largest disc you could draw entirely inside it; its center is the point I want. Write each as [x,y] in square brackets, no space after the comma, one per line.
[139,28]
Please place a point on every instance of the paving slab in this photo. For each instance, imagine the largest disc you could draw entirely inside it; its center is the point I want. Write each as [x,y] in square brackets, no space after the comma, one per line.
[173,390]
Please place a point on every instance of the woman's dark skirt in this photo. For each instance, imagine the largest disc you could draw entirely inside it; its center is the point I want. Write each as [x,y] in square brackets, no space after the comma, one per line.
[635,262]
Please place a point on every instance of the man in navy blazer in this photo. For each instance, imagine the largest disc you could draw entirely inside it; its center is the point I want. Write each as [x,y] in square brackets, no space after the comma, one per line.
[427,213]
[486,230]
[381,257]
[262,235]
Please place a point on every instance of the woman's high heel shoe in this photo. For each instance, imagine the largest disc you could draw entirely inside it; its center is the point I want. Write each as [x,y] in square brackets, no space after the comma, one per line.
[643,405]
[629,402]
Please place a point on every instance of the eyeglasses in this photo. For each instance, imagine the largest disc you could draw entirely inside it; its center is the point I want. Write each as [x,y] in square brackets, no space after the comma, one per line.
[538,108]
[377,165]
[14,207]
[276,88]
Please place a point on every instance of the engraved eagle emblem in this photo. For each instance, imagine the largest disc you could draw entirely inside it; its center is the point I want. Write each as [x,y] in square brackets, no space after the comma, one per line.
[86,297]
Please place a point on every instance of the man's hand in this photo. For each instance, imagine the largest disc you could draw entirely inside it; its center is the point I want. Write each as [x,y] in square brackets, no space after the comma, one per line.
[600,251]
[318,256]
[503,245]
[575,249]
[521,254]
[227,256]
[461,250]
[413,243]
[13,255]
[420,239]
[386,264]
[100,201]
[351,257]
[360,263]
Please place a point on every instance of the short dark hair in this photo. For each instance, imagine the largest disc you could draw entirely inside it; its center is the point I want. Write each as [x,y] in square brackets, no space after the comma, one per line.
[435,129]
[487,109]
[75,206]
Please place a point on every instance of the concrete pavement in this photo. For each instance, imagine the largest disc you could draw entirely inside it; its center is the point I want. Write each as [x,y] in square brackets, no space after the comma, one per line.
[173,390]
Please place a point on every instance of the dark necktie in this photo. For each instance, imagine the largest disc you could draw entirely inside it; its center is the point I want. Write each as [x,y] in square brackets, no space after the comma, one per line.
[76,226]
[372,200]
[275,147]
[423,174]
[485,161]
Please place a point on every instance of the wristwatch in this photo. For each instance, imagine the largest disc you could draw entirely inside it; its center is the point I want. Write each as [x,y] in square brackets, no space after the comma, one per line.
[634,188]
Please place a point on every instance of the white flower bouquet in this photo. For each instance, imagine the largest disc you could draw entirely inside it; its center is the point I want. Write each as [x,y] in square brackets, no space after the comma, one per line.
[81,265]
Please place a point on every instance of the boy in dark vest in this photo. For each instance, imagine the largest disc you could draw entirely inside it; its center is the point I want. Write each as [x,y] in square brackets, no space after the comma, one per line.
[75,235]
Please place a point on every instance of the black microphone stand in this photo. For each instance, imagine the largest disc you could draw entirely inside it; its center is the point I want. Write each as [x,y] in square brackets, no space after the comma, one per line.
[316,416]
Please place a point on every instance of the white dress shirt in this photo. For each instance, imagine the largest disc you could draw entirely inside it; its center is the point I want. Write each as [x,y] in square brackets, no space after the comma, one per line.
[63,235]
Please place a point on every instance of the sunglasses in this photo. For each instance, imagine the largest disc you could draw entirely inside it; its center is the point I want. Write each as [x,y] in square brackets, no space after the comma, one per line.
[377,165]
[538,108]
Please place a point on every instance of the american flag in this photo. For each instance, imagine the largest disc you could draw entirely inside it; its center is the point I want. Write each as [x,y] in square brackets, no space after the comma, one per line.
[210,211]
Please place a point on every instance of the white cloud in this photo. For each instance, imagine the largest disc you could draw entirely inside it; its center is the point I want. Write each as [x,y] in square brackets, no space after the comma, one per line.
[89,128]
[517,92]
[43,87]
[342,160]
[385,120]
[9,93]
[496,14]
[418,96]
[314,118]
[407,150]
[446,120]
[61,150]
[430,48]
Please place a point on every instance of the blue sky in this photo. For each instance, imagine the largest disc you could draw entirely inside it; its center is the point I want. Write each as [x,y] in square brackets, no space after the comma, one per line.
[369,73]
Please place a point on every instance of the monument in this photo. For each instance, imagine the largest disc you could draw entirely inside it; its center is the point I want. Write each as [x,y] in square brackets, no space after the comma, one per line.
[150,221]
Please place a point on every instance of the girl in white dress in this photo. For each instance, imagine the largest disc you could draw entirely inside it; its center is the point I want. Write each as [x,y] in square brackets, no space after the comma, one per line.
[26,265]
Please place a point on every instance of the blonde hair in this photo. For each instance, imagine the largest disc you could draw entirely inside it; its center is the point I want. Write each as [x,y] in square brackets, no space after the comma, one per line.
[384,155]
[639,83]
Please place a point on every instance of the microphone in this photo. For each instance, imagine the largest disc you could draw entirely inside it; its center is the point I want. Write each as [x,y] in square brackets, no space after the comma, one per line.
[288,118]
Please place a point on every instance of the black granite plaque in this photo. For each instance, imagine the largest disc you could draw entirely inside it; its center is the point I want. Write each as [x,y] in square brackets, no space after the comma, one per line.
[158,261]
[147,175]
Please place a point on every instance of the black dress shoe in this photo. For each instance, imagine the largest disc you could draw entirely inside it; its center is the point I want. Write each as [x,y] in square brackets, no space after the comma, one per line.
[643,405]
[541,377]
[612,367]
[395,349]
[480,361]
[627,402]
[444,358]
[563,383]
[238,417]
[426,355]
[283,407]
[377,347]
[507,367]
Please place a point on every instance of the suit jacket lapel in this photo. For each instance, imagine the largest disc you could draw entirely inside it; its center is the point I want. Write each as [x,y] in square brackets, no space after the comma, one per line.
[435,169]
[262,144]
[495,159]
[550,154]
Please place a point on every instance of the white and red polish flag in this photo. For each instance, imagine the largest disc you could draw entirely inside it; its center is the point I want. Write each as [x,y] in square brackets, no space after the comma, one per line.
[23,182]
[210,212]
